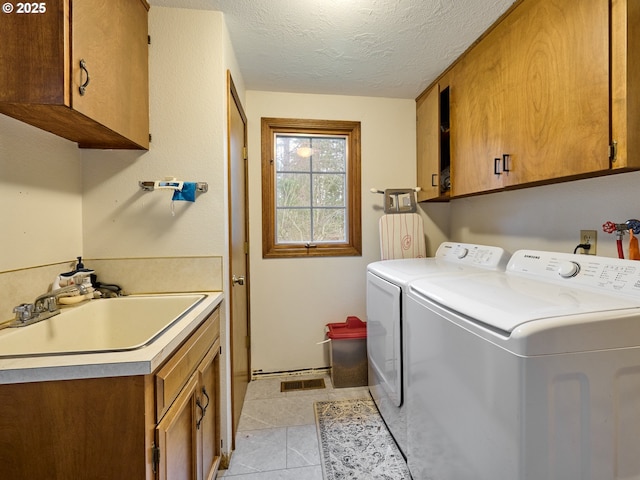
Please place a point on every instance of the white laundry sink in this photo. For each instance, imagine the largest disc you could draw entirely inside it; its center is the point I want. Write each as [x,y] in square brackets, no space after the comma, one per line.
[101,325]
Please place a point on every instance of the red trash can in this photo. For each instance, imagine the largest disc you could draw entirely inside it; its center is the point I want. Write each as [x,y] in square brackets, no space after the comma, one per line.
[348,353]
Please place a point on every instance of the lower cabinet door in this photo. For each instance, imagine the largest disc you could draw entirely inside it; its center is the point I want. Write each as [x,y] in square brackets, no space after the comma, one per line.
[177,436]
[209,427]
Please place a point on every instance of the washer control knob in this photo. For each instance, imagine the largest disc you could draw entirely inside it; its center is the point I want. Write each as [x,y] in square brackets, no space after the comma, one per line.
[568,269]
[463,252]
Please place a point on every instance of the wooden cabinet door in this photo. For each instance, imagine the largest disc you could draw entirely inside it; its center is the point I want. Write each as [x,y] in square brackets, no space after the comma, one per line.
[111,36]
[177,436]
[433,142]
[428,144]
[557,92]
[535,88]
[209,428]
[625,83]
[478,86]
[91,428]
[33,54]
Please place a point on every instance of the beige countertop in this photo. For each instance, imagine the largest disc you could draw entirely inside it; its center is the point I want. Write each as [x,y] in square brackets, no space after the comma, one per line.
[141,361]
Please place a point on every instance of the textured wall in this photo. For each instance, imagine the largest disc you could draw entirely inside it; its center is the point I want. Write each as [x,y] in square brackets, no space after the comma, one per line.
[548,217]
[187,116]
[40,197]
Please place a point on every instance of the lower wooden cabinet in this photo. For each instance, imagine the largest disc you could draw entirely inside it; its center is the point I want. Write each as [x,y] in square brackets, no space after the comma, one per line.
[209,436]
[188,436]
[175,455]
[159,426]
[96,428]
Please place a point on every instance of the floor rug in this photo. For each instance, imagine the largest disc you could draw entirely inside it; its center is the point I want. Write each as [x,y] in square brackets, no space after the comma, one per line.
[356,444]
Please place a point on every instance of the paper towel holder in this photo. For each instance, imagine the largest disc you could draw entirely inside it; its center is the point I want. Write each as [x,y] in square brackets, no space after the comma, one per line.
[150,185]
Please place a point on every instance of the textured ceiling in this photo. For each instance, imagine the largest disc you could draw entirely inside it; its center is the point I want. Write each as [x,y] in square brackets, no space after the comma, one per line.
[381,48]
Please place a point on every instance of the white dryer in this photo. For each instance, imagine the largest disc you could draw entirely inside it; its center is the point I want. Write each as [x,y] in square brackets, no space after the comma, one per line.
[528,374]
[387,281]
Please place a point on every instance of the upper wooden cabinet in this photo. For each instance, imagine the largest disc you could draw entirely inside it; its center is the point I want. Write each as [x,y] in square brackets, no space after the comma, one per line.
[542,96]
[625,84]
[530,102]
[433,147]
[478,97]
[50,52]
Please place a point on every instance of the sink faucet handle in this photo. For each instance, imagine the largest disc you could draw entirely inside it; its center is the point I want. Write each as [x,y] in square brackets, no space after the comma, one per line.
[24,312]
[50,304]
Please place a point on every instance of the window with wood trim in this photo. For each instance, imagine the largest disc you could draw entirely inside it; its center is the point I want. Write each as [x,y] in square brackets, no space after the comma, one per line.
[310,188]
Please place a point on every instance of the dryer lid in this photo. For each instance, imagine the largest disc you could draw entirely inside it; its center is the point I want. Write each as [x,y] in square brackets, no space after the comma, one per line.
[449,258]
[402,272]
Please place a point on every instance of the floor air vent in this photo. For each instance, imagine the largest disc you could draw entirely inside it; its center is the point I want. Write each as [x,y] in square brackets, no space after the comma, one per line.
[293,385]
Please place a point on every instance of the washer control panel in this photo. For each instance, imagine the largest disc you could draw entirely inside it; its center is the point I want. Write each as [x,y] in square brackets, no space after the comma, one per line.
[483,256]
[604,273]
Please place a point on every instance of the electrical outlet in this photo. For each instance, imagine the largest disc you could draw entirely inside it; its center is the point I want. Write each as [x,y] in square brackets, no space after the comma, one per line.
[590,237]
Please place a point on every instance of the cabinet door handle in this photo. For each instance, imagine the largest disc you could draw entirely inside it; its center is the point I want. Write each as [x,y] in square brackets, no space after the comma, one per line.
[83,67]
[433,179]
[199,421]
[505,162]
[496,166]
[204,392]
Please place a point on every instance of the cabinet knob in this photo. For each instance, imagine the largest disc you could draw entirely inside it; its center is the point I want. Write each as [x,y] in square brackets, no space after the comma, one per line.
[83,67]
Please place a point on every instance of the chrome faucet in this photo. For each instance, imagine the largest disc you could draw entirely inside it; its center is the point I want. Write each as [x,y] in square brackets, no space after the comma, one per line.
[48,301]
[45,306]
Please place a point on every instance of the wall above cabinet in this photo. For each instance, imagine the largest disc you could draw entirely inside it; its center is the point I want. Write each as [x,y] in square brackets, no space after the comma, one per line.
[79,69]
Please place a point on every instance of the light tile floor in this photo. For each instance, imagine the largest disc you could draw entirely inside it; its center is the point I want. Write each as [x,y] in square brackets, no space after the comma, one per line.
[277,438]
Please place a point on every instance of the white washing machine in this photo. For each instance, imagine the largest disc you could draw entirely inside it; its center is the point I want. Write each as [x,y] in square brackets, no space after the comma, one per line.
[386,285]
[528,374]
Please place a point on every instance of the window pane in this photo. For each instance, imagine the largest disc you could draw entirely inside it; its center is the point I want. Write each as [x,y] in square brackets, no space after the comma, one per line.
[329,154]
[321,186]
[292,154]
[293,225]
[328,190]
[329,225]
[293,190]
